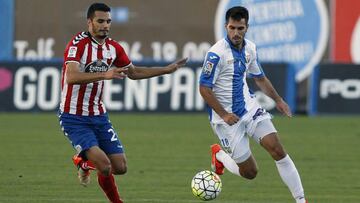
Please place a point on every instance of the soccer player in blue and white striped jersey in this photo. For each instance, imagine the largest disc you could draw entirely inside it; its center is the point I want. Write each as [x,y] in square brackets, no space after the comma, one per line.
[234,113]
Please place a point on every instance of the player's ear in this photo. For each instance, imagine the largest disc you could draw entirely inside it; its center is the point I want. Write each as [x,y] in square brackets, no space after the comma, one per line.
[89,21]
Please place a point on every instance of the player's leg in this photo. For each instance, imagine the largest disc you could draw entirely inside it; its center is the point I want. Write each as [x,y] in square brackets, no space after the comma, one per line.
[266,133]
[82,137]
[100,160]
[104,172]
[118,163]
[248,168]
[113,150]
[236,156]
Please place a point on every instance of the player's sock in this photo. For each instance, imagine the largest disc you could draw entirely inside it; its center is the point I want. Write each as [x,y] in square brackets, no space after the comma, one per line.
[228,162]
[291,178]
[301,200]
[108,185]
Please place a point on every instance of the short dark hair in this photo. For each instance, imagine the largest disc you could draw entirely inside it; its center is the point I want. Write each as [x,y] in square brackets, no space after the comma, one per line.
[237,13]
[96,7]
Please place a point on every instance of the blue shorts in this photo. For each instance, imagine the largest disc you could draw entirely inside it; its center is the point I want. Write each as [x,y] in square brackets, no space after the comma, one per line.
[85,132]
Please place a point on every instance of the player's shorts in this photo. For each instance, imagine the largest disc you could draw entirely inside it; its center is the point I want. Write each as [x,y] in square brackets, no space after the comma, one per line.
[235,139]
[85,132]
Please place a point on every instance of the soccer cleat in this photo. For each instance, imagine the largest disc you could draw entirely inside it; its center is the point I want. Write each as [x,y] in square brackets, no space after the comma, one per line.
[79,162]
[84,176]
[216,165]
[84,168]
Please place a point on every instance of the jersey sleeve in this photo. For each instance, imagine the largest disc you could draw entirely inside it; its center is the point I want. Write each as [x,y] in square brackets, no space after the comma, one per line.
[209,70]
[75,48]
[121,60]
[255,69]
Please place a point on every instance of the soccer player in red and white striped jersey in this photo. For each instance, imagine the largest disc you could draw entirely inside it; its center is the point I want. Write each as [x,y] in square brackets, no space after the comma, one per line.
[90,58]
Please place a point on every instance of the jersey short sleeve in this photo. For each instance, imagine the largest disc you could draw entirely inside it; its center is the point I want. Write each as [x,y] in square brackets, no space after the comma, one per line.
[255,69]
[121,60]
[209,69]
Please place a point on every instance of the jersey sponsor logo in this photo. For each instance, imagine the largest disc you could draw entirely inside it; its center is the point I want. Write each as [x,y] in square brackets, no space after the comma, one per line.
[208,68]
[96,66]
[72,51]
[79,37]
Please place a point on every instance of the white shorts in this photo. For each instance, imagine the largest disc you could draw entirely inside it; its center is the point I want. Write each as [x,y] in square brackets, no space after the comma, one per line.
[235,139]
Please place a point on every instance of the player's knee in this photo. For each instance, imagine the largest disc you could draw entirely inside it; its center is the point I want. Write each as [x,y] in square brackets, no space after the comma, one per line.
[249,174]
[119,167]
[120,170]
[104,169]
[277,152]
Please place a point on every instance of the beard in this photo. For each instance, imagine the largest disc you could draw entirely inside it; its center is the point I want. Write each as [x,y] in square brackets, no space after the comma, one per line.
[101,34]
[237,41]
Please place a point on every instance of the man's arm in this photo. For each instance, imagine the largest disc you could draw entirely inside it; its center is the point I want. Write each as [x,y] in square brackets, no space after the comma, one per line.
[137,73]
[211,100]
[265,86]
[74,76]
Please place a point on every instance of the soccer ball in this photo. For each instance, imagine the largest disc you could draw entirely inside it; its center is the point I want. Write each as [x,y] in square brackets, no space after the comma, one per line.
[206,185]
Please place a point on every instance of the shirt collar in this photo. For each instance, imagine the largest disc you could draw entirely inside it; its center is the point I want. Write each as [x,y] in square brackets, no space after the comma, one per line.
[94,40]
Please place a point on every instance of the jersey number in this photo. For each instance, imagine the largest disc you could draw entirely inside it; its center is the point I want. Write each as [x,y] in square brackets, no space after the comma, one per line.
[225,142]
[113,137]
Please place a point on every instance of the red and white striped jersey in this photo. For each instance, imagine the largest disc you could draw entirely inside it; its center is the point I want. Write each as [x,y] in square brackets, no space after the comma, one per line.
[86,99]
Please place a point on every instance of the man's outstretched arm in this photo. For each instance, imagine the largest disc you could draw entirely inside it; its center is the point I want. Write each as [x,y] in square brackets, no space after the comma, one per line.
[137,73]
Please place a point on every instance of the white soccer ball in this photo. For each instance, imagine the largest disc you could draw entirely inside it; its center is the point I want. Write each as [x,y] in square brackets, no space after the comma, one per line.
[206,185]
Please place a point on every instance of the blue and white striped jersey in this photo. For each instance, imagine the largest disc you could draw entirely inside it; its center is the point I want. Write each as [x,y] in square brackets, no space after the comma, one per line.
[225,70]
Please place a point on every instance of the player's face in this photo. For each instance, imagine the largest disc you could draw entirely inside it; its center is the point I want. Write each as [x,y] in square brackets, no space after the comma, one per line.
[99,25]
[236,30]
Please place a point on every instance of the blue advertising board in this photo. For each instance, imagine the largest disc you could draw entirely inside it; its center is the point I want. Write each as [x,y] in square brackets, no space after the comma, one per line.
[6,28]
[291,31]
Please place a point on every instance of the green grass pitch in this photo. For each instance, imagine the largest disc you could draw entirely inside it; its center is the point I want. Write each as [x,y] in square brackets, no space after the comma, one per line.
[165,151]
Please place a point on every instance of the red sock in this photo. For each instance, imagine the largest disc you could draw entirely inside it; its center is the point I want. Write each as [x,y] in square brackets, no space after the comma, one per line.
[107,183]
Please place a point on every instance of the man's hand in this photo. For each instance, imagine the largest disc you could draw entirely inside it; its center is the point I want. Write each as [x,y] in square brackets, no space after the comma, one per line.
[176,65]
[230,118]
[118,73]
[282,106]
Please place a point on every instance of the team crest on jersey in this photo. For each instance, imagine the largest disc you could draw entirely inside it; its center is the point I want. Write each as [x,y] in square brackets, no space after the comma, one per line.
[72,51]
[108,54]
[208,66]
[96,66]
